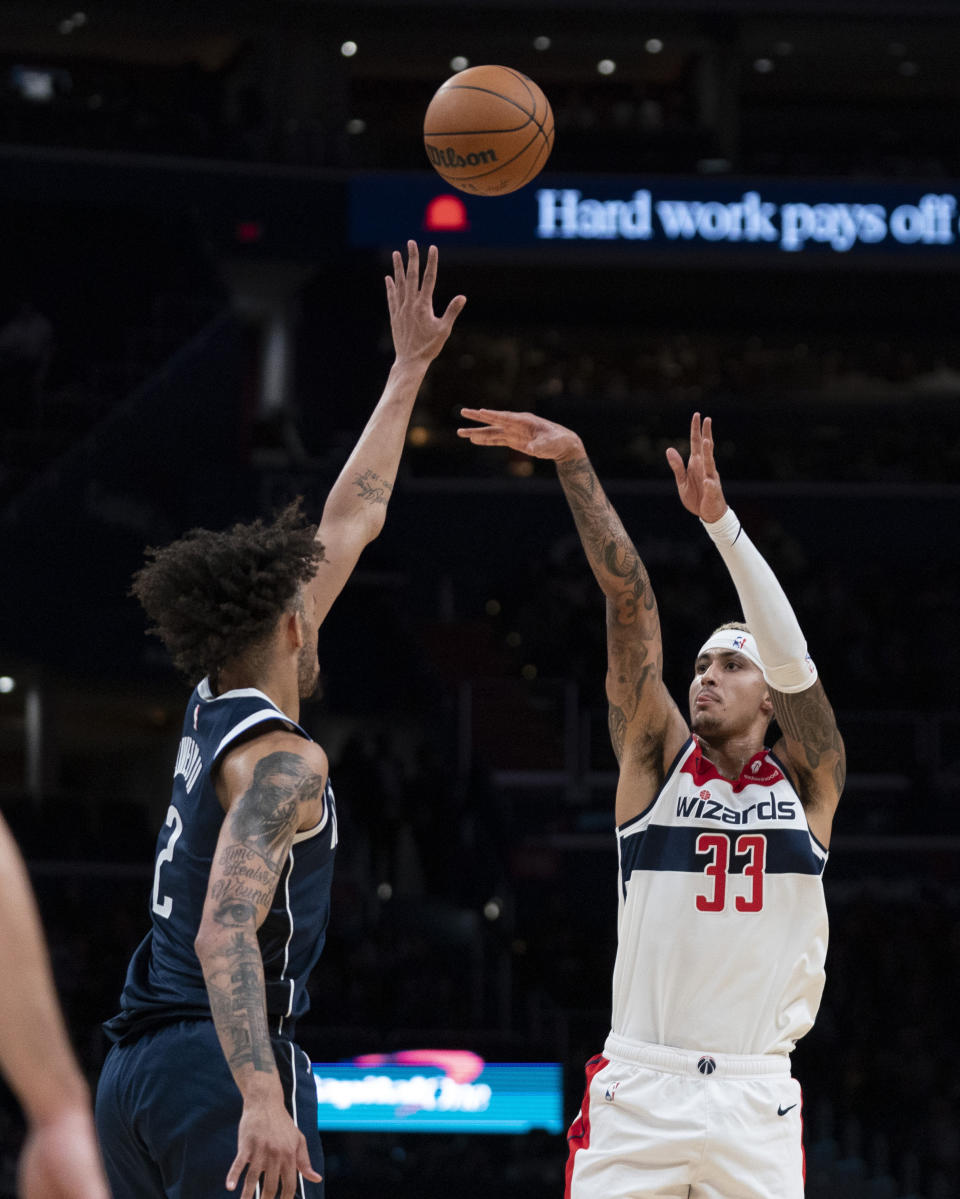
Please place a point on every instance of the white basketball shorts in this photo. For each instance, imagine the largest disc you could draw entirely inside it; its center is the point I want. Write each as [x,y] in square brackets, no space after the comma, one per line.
[662,1123]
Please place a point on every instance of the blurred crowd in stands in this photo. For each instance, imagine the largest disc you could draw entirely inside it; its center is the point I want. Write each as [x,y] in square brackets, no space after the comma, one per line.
[872,411]
[81,327]
[708,95]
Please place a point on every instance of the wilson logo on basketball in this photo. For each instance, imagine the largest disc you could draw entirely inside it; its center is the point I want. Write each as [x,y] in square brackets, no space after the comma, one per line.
[449,157]
[488,130]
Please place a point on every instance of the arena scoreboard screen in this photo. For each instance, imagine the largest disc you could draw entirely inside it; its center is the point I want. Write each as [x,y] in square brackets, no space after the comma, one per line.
[438,1091]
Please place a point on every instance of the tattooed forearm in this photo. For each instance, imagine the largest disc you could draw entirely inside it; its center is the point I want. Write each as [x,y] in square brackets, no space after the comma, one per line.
[807,718]
[235,910]
[610,552]
[234,977]
[221,1004]
[372,489]
[255,841]
[247,1026]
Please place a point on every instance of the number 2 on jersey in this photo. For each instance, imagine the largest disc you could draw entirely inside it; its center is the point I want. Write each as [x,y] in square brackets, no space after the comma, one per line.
[163,907]
[718,869]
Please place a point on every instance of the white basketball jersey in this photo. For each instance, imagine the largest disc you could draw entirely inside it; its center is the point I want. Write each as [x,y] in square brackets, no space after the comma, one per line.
[722,920]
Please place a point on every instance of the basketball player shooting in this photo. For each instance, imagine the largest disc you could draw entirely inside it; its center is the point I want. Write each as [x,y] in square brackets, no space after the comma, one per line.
[204,1090]
[722,928]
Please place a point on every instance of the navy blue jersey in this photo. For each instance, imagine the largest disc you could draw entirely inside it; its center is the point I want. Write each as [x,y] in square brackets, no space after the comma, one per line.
[164,980]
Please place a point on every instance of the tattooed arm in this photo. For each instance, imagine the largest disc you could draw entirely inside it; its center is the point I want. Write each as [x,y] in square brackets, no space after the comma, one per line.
[271,787]
[646,728]
[812,746]
[356,507]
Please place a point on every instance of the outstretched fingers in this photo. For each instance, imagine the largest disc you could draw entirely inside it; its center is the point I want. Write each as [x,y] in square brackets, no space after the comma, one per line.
[399,277]
[709,467]
[429,273]
[490,432]
[485,414]
[675,462]
[413,264]
[452,311]
[696,435]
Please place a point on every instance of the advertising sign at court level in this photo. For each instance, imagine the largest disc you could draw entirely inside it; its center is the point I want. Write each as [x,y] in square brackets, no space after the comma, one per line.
[430,1092]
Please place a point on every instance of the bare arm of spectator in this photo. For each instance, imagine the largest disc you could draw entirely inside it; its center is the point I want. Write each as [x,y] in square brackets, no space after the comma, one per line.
[60,1159]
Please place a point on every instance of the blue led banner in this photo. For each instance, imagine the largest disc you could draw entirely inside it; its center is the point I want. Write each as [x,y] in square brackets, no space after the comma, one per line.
[702,219]
[438,1091]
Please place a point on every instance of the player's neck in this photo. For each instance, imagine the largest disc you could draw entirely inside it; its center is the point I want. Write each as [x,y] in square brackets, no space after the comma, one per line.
[274,683]
[730,754]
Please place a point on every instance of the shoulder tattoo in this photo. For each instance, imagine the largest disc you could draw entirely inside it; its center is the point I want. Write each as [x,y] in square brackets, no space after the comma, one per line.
[270,807]
[807,718]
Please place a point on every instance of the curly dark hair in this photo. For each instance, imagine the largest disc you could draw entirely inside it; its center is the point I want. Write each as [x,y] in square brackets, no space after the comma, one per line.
[213,596]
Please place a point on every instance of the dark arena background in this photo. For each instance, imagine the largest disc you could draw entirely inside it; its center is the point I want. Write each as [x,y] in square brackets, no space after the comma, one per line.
[752,210]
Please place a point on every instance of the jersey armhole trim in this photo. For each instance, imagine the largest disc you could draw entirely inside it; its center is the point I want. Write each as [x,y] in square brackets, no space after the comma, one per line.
[255,718]
[793,787]
[781,766]
[681,753]
[324,820]
[321,824]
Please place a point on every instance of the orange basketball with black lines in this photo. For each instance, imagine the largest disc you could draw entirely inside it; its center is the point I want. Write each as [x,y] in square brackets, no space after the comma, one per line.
[488,130]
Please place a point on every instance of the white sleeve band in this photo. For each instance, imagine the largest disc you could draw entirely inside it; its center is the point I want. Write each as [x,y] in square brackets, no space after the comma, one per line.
[780,642]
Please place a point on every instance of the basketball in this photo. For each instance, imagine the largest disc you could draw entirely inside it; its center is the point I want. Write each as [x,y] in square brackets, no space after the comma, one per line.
[488,130]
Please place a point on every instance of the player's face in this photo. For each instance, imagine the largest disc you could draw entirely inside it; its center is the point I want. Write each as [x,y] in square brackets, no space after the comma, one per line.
[726,694]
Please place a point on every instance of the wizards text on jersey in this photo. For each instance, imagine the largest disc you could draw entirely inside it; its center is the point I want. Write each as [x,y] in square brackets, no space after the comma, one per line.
[761,800]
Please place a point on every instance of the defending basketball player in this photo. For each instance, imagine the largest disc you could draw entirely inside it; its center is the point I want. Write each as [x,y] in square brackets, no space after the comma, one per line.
[204,1088]
[722,929]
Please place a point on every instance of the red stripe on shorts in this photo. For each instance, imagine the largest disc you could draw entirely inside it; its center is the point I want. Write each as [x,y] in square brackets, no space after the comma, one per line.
[579,1135]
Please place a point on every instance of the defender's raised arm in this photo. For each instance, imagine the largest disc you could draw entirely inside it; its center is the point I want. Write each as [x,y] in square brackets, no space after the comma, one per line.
[356,506]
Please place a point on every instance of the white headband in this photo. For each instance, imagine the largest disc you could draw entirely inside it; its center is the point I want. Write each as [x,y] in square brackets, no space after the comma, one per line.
[733,641]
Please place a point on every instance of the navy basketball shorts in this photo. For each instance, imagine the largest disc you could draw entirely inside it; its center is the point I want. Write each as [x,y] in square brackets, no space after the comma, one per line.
[168,1111]
[658,1122]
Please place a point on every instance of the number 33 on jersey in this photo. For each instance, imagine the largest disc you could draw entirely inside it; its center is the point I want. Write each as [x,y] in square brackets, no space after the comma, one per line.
[711,866]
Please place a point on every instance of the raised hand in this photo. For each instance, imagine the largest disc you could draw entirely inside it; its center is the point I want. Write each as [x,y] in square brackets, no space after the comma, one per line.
[522,431]
[418,334]
[698,482]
